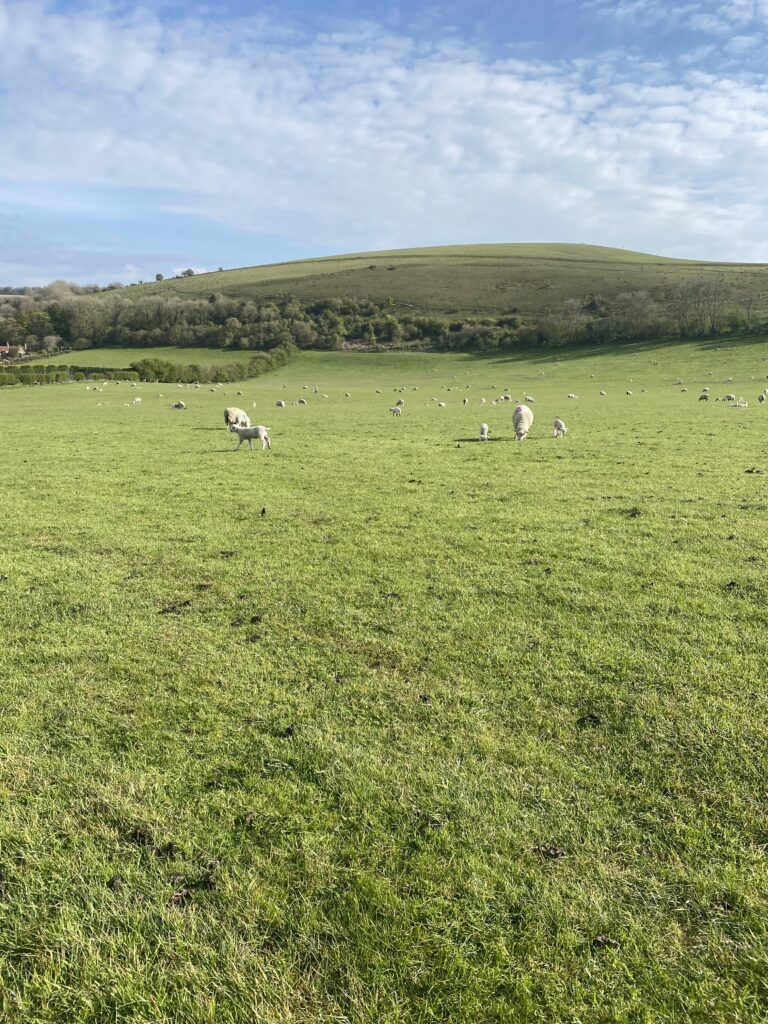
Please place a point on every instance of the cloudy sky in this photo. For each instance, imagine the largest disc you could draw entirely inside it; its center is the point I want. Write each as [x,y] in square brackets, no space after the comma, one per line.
[143,139]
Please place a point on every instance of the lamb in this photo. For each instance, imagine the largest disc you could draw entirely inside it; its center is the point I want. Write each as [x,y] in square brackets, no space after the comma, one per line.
[559,429]
[396,410]
[279,404]
[522,421]
[236,417]
[484,431]
[249,433]
[178,405]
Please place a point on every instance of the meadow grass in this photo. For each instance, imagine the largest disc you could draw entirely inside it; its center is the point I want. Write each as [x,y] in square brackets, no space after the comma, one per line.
[121,358]
[469,279]
[386,724]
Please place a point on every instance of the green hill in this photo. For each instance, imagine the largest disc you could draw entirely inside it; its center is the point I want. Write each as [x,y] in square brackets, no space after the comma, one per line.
[472,279]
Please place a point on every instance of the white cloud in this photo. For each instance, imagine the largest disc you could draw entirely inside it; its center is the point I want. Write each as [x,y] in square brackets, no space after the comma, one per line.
[365,139]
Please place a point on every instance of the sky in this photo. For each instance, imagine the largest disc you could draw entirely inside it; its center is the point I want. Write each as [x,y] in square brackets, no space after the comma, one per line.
[137,140]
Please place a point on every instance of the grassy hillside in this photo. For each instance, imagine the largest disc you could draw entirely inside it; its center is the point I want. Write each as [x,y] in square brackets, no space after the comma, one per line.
[385,724]
[472,278]
[123,357]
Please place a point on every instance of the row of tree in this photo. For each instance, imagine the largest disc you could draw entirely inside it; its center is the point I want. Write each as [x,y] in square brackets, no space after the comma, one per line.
[57,321]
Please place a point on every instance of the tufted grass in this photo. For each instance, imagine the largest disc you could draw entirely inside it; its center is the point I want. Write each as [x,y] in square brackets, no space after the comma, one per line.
[335,763]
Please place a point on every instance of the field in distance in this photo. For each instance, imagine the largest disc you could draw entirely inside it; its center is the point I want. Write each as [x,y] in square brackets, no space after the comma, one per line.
[526,278]
[387,724]
[121,358]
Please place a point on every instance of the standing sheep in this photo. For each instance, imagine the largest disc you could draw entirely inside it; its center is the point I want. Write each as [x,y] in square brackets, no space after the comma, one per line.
[280,404]
[559,429]
[249,433]
[236,417]
[484,431]
[178,405]
[396,410]
[522,421]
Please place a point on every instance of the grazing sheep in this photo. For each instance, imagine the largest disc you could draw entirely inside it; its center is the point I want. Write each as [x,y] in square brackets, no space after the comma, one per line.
[466,401]
[629,392]
[530,398]
[248,434]
[399,402]
[484,431]
[559,429]
[705,389]
[396,410]
[703,398]
[236,417]
[730,398]
[302,401]
[347,394]
[136,401]
[571,396]
[279,404]
[603,394]
[178,405]
[482,401]
[441,405]
[522,421]
[761,398]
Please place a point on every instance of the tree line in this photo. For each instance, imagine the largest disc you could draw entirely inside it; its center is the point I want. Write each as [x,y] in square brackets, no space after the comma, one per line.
[62,319]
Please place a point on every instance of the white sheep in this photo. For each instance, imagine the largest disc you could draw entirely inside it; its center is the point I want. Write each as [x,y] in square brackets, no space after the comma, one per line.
[629,392]
[249,433]
[466,401]
[730,398]
[136,401]
[441,405]
[761,398]
[178,405]
[396,410]
[571,396]
[482,401]
[484,431]
[530,398]
[559,429]
[279,404]
[522,421]
[400,402]
[236,417]
[302,401]
[603,394]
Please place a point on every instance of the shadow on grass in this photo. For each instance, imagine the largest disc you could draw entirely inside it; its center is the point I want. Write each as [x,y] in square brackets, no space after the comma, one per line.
[476,440]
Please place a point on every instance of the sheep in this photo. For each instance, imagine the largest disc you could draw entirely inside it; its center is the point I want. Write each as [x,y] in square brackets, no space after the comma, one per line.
[399,402]
[482,401]
[522,421]
[178,405]
[347,394]
[730,398]
[279,404]
[571,396]
[441,405]
[248,434]
[235,416]
[761,398]
[530,398]
[703,398]
[396,410]
[629,392]
[136,401]
[466,401]
[603,394]
[559,429]
[484,431]
[705,389]
[302,401]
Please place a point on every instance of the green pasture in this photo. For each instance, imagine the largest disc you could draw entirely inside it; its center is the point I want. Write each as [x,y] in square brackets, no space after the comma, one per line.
[387,725]
[120,358]
[469,279]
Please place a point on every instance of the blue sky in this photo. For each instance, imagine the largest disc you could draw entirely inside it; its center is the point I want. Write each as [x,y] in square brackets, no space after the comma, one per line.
[143,139]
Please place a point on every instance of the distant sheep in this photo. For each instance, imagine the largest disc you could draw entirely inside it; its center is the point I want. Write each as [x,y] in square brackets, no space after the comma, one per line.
[236,417]
[730,398]
[571,396]
[761,398]
[559,429]
[629,392]
[279,404]
[522,421]
[603,394]
[302,401]
[399,402]
[530,398]
[396,410]
[703,398]
[466,401]
[178,405]
[249,433]
[136,401]
[484,431]
[482,401]
[441,405]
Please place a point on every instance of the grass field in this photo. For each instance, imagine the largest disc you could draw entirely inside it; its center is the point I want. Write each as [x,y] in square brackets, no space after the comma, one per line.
[123,357]
[529,278]
[385,724]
